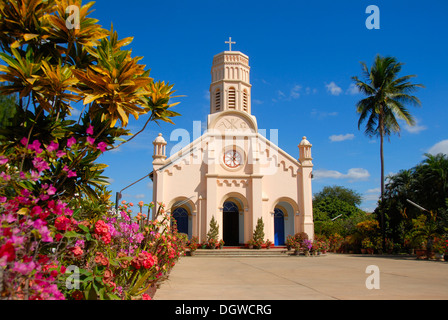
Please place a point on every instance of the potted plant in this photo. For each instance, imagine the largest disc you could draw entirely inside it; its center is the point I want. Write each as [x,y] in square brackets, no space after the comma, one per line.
[258,243]
[250,244]
[268,244]
[221,243]
[323,246]
[306,247]
[315,248]
[297,248]
[192,246]
[290,242]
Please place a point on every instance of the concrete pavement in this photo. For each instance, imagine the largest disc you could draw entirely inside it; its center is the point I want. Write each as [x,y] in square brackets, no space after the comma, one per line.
[332,276]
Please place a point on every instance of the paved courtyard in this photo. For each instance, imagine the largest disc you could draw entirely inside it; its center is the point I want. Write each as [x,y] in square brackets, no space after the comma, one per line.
[333,276]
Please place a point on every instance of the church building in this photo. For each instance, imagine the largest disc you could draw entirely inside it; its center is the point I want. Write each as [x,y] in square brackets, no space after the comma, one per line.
[232,172]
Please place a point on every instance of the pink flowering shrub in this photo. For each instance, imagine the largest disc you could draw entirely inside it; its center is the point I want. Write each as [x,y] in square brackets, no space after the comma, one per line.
[117,256]
[127,255]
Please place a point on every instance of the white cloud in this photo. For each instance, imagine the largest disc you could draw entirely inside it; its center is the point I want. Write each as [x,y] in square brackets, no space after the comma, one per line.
[352,89]
[439,147]
[352,174]
[255,101]
[75,113]
[295,91]
[374,190]
[415,128]
[333,88]
[139,196]
[372,194]
[322,114]
[309,90]
[342,137]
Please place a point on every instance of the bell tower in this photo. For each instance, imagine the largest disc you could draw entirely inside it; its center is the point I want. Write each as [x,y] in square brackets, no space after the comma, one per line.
[230,89]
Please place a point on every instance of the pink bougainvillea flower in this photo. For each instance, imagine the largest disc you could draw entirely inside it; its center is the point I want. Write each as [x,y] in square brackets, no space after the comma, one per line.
[24,268]
[146,296]
[60,153]
[71,141]
[102,146]
[7,253]
[24,141]
[90,140]
[53,146]
[40,164]
[5,176]
[77,251]
[71,174]
[3,160]
[35,146]
[89,129]
[34,175]
[62,223]
[51,190]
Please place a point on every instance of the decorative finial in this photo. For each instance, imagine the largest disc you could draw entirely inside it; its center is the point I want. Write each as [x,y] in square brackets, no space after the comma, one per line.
[230,42]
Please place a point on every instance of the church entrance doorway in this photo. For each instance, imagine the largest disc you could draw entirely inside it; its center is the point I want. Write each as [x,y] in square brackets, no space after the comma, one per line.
[181,217]
[279,227]
[230,221]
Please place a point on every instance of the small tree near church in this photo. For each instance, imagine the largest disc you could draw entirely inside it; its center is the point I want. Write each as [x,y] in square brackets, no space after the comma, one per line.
[212,234]
[258,236]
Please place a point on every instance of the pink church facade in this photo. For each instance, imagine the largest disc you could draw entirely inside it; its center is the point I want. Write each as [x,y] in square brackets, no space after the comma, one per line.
[232,172]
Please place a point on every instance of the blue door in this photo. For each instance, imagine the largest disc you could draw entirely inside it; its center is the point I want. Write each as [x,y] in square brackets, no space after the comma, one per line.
[181,216]
[279,227]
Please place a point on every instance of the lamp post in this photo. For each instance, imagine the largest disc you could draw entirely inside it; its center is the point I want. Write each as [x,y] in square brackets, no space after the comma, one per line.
[417,206]
[118,193]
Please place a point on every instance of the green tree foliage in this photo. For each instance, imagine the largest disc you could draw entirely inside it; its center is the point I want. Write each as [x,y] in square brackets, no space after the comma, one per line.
[425,184]
[344,194]
[258,235]
[335,211]
[213,232]
[387,95]
[50,67]
[7,110]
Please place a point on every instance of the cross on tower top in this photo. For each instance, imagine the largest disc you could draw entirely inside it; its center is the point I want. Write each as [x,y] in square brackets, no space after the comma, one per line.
[230,42]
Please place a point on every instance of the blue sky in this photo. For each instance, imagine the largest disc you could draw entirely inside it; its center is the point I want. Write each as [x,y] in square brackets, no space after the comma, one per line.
[302,57]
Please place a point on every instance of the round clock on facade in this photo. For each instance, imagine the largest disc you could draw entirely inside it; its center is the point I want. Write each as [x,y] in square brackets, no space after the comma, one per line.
[232,159]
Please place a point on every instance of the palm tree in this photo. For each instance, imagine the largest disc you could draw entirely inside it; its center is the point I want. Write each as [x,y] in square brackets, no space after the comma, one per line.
[386,98]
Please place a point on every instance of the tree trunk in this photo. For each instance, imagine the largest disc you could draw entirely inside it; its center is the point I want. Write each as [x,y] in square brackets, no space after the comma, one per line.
[381,124]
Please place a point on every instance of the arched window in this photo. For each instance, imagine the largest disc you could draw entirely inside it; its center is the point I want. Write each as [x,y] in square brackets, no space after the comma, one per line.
[217,100]
[245,100]
[230,206]
[232,98]
[181,217]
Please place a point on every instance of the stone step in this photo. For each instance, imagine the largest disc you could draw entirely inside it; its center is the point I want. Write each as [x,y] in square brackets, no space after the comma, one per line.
[274,252]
